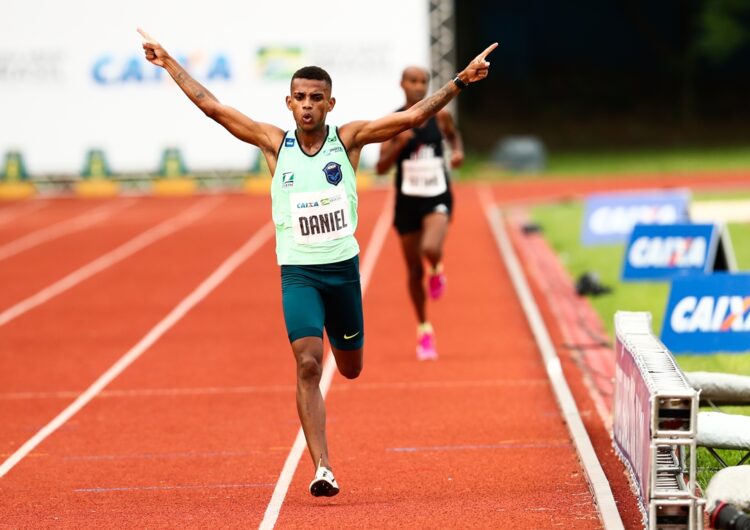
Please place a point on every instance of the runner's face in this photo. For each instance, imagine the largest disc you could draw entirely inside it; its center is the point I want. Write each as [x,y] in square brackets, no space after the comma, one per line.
[310,101]
[414,82]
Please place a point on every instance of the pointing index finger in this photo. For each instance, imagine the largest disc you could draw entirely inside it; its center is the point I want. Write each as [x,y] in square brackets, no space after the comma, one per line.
[146,36]
[482,56]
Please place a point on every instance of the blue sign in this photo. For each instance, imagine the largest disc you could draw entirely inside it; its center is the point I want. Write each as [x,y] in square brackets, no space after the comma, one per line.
[660,252]
[708,314]
[609,218]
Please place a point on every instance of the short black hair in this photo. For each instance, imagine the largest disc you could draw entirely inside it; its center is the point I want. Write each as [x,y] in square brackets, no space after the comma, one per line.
[313,72]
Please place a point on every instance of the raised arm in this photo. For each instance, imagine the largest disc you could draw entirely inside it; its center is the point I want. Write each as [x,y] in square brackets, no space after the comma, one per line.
[360,133]
[266,137]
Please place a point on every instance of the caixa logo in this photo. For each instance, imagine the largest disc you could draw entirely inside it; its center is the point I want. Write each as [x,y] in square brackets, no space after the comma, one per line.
[110,69]
[708,314]
[668,252]
[711,314]
[610,217]
[621,219]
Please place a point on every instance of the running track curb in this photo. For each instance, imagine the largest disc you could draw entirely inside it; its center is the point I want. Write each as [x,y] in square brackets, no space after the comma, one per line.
[605,501]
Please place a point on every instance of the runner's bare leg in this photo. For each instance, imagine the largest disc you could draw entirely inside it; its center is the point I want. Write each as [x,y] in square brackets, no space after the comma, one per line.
[434,230]
[308,352]
[411,245]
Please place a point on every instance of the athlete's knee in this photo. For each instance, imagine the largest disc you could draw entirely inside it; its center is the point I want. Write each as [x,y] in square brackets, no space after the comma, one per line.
[349,362]
[432,251]
[416,271]
[308,368]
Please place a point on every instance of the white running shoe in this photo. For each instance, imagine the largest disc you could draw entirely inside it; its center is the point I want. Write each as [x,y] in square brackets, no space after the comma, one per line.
[324,484]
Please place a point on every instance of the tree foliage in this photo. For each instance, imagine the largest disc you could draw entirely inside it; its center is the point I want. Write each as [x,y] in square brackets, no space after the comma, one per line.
[723,29]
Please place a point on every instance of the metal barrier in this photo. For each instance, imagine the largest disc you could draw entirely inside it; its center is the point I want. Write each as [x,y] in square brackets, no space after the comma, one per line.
[655,426]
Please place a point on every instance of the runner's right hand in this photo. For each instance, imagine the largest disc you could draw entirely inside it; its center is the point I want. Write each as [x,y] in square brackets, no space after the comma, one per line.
[155,54]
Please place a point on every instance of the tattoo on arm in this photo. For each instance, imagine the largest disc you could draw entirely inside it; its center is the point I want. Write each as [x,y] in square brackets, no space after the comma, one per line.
[436,102]
[192,88]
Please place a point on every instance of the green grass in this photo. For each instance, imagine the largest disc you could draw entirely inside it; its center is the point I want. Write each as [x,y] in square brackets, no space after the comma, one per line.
[601,164]
[648,161]
[561,225]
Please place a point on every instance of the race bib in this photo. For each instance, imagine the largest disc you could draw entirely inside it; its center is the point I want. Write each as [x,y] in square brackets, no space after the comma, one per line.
[320,216]
[423,177]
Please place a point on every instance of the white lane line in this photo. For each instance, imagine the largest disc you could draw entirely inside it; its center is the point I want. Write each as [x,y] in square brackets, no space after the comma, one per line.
[329,367]
[274,389]
[57,230]
[513,444]
[105,261]
[598,483]
[172,488]
[202,291]
[11,213]
[545,277]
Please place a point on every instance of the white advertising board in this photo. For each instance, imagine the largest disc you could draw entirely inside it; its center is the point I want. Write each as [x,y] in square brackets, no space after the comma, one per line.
[73,76]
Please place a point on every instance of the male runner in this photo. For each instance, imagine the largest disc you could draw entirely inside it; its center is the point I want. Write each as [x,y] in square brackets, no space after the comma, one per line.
[424,202]
[314,203]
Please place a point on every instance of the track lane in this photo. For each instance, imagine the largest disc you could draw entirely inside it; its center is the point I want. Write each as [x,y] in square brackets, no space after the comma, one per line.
[18,219]
[9,211]
[197,505]
[475,440]
[193,434]
[28,272]
[78,223]
[65,344]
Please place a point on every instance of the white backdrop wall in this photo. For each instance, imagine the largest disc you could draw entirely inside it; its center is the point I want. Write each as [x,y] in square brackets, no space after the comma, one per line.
[73,76]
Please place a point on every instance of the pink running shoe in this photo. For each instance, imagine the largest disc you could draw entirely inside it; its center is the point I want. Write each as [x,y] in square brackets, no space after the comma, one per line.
[437,285]
[426,347]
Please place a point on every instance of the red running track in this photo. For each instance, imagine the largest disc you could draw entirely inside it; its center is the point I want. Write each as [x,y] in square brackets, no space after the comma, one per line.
[194,433]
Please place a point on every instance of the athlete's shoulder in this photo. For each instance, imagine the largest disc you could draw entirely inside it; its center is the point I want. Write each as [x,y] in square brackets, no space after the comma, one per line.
[288,135]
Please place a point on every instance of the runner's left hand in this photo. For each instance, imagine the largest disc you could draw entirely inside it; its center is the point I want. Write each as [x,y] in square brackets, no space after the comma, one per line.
[478,68]
[457,158]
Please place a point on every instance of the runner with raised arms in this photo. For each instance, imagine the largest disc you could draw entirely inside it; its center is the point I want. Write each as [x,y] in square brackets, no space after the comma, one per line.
[314,203]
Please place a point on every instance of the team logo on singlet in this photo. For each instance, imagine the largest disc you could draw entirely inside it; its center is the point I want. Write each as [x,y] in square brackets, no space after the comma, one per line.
[289,142]
[333,173]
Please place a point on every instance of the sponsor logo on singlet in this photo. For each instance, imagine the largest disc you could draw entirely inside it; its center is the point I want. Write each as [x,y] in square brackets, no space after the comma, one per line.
[320,216]
[287,180]
[336,149]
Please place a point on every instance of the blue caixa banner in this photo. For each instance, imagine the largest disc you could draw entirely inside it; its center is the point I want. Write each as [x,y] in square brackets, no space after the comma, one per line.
[661,252]
[707,314]
[610,218]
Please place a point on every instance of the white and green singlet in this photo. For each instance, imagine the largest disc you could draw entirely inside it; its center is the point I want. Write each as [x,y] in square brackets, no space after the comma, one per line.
[314,202]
